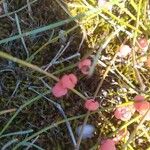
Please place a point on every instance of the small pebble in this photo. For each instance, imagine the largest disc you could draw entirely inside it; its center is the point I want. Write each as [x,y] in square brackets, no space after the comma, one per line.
[88,131]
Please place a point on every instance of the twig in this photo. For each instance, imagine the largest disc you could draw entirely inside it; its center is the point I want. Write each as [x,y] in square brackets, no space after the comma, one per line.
[7,111]
[60,52]
[68,58]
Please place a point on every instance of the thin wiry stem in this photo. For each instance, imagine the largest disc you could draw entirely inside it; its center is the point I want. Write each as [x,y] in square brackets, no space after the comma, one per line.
[22,39]
[16,11]
[142,86]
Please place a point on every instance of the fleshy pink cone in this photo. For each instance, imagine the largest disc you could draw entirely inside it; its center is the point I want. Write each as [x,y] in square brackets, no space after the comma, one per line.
[143,43]
[68,81]
[58,90]
[65,83]
[124,113]
[91,105]
[108,144]
[139,98]
[84,66]
[142,107]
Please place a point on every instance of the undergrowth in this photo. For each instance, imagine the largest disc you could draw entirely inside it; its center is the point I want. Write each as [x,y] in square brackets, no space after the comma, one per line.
[42,40]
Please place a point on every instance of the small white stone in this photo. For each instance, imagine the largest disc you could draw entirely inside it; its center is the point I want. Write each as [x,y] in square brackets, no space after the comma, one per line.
[88,131]
[124,51]
[104,3]
[104,93]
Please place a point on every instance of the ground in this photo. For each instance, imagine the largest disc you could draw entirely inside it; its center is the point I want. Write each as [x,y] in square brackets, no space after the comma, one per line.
[29,113]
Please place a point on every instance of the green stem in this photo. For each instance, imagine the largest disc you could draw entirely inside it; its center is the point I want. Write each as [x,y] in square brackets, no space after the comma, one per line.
[36,68]
[46,129]
[19,110]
